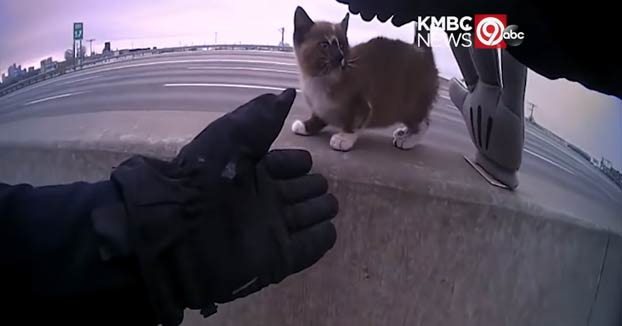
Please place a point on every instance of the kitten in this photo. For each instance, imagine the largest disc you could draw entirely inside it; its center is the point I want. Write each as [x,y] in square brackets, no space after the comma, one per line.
[375,84]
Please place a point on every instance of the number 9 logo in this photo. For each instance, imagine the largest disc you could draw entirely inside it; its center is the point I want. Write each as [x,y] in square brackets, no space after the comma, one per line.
[489,31]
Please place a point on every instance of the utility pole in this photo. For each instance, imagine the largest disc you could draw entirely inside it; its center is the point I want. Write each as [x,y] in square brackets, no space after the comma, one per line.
[282,30]
[91,45]
[215,37]
[80,53]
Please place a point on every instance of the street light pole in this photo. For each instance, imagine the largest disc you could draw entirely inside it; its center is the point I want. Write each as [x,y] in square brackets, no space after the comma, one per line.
[282,30]
[532,106]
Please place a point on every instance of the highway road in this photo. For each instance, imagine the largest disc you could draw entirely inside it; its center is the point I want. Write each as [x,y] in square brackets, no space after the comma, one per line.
[219,81]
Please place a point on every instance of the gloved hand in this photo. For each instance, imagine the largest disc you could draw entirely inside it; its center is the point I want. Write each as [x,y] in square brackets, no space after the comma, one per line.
[402,12]
[226,217]
[492,107]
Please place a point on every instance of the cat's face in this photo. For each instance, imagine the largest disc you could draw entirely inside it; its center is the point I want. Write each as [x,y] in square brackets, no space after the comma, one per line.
[321,47]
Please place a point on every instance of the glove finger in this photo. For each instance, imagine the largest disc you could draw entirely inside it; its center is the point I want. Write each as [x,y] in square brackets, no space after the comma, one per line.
[486,63]
[354,8]
[311,212]
[248,130]
[303,188]
[384,16]
[367,15]
[288,163]
[309,245]
[399,20]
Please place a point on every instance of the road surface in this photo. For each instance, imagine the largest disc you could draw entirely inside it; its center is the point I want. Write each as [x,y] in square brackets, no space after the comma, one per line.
[222,80]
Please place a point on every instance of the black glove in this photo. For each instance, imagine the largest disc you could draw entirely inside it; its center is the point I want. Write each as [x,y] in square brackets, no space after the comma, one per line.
[224,219]
[401,11]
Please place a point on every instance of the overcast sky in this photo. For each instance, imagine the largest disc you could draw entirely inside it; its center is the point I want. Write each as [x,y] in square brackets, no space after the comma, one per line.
[33,29]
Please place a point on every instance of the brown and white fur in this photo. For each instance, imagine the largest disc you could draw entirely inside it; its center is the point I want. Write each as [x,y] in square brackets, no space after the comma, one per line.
[371,85]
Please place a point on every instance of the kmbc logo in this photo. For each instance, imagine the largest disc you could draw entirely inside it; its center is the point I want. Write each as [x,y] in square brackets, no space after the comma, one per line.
[492,32]
[481,31]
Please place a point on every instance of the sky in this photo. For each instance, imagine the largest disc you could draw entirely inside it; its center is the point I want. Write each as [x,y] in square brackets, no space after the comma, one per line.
[34,29]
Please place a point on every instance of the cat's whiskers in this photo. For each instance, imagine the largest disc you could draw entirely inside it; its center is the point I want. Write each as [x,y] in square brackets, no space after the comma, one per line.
[351,64]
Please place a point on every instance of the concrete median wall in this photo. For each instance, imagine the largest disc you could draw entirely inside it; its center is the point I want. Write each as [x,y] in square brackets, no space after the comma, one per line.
[421,241]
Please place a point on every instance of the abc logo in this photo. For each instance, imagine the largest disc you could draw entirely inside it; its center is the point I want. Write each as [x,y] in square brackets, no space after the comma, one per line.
[491,32]
[512,36]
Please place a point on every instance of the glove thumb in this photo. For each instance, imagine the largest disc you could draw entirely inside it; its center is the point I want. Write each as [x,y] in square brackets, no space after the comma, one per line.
[248,130]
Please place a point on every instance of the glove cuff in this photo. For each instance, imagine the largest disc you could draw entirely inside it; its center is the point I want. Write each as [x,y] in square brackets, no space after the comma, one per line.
[164,202]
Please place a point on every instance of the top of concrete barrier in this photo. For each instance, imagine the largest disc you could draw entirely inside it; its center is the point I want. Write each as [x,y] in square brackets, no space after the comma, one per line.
[428,170]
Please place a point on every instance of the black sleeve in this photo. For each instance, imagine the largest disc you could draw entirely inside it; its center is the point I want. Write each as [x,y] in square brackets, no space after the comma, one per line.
[56,265]
[573,43]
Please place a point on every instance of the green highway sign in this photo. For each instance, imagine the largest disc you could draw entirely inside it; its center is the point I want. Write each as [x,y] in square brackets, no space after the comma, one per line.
[78,31]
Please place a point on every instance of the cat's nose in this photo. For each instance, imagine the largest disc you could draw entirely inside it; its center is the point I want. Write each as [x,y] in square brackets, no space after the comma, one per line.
[338,57]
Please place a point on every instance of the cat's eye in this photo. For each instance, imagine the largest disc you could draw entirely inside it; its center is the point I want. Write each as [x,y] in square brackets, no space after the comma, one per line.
[324,45]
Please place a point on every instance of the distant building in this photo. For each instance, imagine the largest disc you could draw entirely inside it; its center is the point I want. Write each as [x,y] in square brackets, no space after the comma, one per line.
[595,162]
[107,50]
[69,59]
[48,65]
[82,52]
[15,71]
[31,72]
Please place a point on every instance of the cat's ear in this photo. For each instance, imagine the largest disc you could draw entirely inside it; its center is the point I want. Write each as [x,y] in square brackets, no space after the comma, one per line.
[344,22]
[302,21]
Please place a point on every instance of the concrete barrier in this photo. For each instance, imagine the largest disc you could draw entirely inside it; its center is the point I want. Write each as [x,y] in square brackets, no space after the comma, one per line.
[422,240]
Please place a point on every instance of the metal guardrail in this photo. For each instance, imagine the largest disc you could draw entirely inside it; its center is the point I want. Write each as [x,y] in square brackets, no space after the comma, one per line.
[130,54]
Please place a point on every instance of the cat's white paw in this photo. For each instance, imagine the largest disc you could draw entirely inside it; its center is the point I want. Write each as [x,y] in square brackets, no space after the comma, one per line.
[403,138]
[298,127]
[343,141]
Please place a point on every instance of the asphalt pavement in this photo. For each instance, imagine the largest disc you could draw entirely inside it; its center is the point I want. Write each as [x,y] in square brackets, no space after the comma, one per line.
[219,81]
